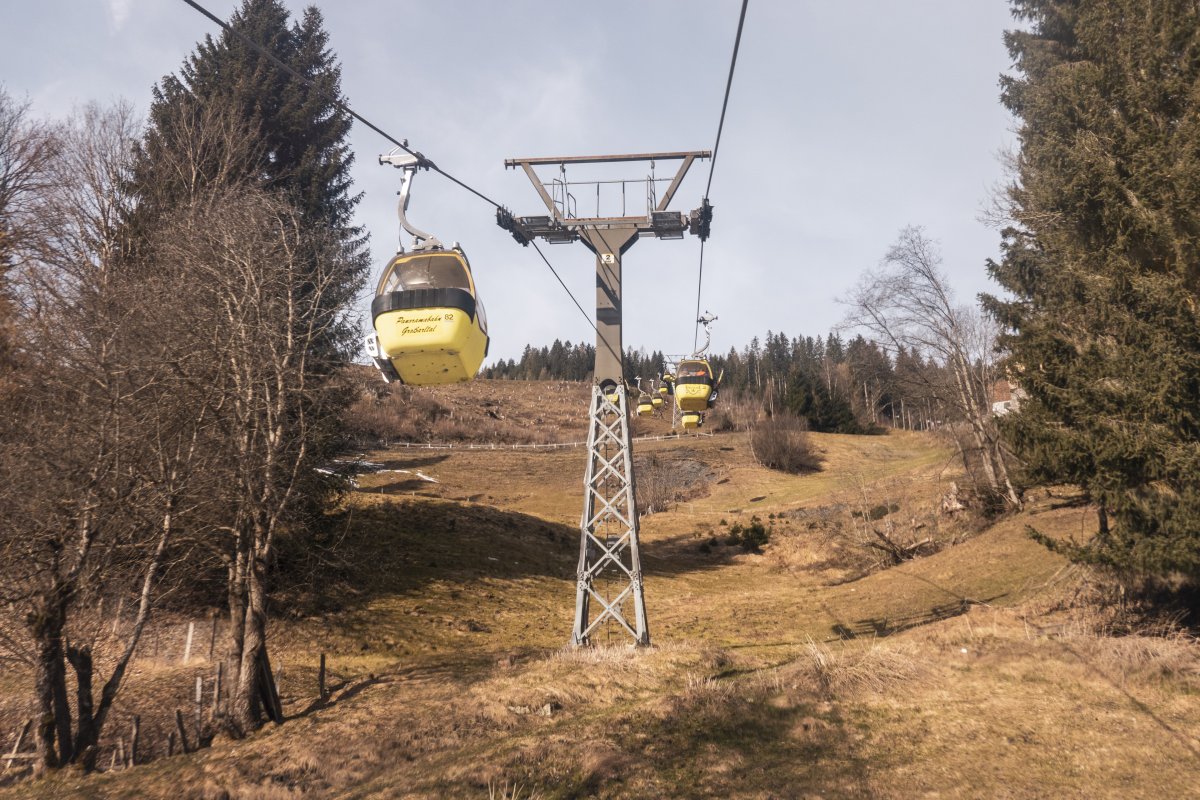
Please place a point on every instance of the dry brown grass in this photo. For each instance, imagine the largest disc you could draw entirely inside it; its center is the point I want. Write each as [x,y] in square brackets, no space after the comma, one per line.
[503,791]
[847,670]
[975,671]
[482,411]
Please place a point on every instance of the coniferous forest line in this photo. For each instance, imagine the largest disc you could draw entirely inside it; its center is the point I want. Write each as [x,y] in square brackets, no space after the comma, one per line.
[835,385]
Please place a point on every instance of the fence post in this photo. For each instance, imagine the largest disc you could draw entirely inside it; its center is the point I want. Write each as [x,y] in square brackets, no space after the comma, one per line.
[199,706]
[216,709]
[320,679]
[182,729]
[187,648]
[21,739]
[212,637]
[134,737]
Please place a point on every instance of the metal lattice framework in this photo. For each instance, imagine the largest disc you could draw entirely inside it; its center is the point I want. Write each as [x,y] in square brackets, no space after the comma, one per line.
[609,526]
[608,542]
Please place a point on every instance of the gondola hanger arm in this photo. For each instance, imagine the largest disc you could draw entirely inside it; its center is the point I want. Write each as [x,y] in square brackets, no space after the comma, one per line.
[410,163]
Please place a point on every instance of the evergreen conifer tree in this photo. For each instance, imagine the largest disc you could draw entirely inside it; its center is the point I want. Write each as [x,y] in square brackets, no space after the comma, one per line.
[294,134]
[1102,268]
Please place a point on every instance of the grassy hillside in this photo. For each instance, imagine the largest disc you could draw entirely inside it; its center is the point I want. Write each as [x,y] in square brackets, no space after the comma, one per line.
[811,669]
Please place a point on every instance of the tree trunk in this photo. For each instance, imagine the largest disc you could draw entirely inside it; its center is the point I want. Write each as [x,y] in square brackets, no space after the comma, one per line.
[53,734]
[44,733]
[236,594]
[996,452]
[86,733]
[246,710]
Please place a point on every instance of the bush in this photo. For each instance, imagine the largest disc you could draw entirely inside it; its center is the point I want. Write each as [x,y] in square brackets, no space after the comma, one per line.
[750,538]
[658,485]
[394,413]
[663,480]
[386,413]
[782,443]
[736,413]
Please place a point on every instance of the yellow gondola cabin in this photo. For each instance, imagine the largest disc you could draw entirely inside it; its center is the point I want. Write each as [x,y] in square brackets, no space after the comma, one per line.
[429,323]
[694,385]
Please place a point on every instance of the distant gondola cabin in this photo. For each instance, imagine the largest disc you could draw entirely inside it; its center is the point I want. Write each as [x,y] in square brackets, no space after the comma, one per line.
[694,385]
[430,323]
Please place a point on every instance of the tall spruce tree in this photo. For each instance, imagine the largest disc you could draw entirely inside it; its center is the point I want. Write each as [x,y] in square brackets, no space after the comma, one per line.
[1102,268]
[293,134]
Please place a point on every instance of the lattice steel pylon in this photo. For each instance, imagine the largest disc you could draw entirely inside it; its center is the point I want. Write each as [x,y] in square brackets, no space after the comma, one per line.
[608,541]
[609,526]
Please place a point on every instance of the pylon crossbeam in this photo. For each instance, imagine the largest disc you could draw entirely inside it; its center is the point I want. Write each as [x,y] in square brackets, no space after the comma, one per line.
[609,555]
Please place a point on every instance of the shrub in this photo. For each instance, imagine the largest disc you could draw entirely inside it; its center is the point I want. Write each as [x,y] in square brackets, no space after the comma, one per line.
[782,443]
[384,413]
[736,413]
[663,480]
[750,538]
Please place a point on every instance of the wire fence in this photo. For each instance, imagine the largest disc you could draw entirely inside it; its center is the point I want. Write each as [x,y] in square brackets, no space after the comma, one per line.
[542,446]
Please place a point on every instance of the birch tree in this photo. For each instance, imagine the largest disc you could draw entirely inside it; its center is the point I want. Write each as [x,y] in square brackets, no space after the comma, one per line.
[907,304]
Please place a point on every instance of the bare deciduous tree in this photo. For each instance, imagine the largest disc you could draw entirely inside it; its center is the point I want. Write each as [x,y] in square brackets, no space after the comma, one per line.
[26,152]
[173,395]
[102,436]
[907,304]
[252,261]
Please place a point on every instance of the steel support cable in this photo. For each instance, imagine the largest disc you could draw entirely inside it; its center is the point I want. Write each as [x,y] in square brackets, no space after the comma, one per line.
[568,291]
[346,109]
[699,283]
[258,48]
[712,164]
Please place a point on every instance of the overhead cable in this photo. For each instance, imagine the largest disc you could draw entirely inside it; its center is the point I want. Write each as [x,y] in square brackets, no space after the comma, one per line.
[712,164]
[402,144]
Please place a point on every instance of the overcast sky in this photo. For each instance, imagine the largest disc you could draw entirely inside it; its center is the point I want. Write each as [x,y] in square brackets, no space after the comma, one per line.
[848,120]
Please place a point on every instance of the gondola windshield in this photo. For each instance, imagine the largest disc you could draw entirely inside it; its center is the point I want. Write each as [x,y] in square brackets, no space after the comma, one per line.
[690,371]
[425,271]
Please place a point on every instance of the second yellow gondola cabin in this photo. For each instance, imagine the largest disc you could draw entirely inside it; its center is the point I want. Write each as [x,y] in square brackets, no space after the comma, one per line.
[694,385]
[429,323]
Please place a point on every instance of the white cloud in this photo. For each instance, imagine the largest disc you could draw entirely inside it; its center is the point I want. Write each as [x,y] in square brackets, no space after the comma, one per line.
[118,12]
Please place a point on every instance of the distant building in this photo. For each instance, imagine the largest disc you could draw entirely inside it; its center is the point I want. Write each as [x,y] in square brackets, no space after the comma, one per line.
[1006,397]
